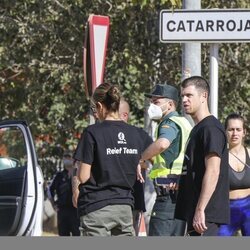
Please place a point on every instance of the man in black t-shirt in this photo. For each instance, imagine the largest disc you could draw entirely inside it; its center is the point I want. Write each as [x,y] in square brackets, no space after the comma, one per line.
[203,198]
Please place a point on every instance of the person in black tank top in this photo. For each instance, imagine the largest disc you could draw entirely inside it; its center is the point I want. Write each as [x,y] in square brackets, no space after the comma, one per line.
[239,177]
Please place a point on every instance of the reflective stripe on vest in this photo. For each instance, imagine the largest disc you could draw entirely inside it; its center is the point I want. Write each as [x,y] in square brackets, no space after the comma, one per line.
[159,167]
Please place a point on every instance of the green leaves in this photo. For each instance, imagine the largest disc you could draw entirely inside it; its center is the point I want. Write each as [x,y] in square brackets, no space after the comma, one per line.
[41,62]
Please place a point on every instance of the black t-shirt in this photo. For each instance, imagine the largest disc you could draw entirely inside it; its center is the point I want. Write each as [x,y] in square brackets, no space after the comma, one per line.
[113,149]
[138,188]
[138,194]
[206,137]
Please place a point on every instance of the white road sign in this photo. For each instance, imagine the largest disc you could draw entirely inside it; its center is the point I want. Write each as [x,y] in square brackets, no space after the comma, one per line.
[205,25]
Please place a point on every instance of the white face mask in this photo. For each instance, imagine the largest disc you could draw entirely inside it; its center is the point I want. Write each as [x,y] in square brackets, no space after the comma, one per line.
[68,163]
[154,112]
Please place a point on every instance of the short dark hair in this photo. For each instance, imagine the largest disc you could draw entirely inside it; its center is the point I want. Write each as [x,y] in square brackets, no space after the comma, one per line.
[198,81]
[235,116]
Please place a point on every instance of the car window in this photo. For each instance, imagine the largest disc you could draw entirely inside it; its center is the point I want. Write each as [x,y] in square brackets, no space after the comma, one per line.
[13,152]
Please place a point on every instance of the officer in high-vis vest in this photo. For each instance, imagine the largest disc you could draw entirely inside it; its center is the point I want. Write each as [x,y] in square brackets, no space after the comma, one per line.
[167,154]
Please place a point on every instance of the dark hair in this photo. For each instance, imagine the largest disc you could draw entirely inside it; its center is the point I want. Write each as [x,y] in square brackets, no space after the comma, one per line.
[197,81]
[234,116]
[109,95]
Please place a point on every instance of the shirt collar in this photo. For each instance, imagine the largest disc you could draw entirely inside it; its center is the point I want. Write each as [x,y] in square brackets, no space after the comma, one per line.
[173,113]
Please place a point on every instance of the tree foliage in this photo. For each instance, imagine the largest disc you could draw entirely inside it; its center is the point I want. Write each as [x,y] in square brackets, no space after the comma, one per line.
[41,62]
[234,74]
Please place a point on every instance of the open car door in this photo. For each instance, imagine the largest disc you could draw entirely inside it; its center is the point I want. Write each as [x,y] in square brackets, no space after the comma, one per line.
[21,182]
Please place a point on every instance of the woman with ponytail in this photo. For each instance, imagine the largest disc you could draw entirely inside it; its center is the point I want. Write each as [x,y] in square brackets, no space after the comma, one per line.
[109,152]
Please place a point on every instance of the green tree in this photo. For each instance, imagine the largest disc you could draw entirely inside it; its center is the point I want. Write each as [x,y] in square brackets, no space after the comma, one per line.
[234,65]
[41,62]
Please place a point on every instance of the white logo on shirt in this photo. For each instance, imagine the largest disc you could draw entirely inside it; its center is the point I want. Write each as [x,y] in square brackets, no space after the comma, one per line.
[121,138]
[121,150]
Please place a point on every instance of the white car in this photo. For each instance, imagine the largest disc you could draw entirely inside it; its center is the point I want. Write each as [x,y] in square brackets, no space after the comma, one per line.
[21,182]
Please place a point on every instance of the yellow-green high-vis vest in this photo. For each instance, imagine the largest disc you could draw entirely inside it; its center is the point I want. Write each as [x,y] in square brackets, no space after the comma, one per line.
[159,168]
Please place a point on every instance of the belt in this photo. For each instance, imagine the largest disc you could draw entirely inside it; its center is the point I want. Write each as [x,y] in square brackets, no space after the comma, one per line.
[161,191]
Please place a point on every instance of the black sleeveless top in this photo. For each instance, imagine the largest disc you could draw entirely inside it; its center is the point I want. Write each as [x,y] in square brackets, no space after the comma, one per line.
[240,180]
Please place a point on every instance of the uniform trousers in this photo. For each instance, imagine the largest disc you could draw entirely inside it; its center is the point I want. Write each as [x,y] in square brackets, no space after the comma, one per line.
[162,221]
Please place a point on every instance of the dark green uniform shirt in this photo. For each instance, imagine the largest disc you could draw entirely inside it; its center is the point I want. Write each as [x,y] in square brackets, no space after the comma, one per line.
[169,130]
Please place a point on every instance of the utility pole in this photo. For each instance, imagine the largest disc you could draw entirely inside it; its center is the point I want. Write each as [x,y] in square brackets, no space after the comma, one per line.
[214,78]
[191,52]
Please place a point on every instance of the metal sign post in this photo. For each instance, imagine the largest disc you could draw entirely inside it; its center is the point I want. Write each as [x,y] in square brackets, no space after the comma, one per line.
[94,54]
[96,39]
[214,78]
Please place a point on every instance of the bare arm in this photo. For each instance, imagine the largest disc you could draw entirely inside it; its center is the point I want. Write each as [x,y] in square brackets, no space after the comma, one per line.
[75,190]
[248,149]
[155,148]
[82,175]
[139,173]
[83,172]
[209,182]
